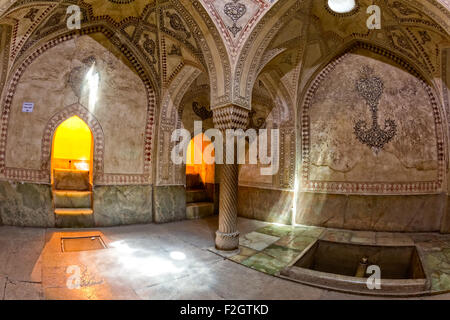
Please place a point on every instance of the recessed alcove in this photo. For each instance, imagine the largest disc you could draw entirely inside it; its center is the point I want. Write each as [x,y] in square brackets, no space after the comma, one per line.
[72,173]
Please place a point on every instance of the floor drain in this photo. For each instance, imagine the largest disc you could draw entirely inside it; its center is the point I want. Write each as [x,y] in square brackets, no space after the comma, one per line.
[82,244]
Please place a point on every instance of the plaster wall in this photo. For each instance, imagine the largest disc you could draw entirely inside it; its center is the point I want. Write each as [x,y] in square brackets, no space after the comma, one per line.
[347,182]
[56,80]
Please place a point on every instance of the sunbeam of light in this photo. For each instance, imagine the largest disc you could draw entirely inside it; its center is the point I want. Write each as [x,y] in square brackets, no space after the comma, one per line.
[141,263]
[93,79]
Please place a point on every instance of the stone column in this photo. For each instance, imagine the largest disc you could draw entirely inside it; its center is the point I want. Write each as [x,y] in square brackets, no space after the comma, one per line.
[227,237]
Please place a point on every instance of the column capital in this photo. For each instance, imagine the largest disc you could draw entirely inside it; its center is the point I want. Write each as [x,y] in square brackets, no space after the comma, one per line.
[230,117]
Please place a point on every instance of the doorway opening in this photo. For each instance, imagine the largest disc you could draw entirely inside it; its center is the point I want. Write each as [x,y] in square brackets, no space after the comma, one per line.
[71,173]
[200,186]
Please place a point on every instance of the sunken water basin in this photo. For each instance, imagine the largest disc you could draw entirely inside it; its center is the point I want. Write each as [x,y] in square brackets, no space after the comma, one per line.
[333,265]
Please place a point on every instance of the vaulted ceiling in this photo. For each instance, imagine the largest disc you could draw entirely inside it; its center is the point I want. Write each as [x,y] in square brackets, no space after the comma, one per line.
[235,43]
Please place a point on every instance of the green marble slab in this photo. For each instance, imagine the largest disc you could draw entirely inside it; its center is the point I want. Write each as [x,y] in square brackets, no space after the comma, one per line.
[264,263]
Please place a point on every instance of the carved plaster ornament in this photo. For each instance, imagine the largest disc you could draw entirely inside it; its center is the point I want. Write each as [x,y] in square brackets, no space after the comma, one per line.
[177,24]
[150,47]
[234,10]
[260,122]
[203,112]
[370,88]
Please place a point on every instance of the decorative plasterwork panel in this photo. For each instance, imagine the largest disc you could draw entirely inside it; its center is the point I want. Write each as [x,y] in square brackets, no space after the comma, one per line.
[26,19]
[235,19]
[118,10]
[328,164]
[249,65]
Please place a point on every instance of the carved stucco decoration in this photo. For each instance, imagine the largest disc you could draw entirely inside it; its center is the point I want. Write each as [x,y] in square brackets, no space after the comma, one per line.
[123,38]
[419,150]
[177,24]
[220,82]
[25,20]
[370,88]
[248,64]
[203,112]
[234,10]
[235,19]
[417,36]
[136,26]
[150,47]
[255,123]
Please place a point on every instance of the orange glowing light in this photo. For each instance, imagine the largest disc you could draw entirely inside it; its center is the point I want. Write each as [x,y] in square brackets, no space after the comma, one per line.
[196,150]
[72,144]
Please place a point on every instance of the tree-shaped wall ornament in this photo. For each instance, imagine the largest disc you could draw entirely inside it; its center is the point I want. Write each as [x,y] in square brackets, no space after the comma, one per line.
[370,88]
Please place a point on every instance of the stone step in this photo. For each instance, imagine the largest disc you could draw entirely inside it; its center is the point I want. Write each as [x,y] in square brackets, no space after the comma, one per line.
[198,210]
[193,181]
[74,218]
[71,180]
[72,199]
[196,195]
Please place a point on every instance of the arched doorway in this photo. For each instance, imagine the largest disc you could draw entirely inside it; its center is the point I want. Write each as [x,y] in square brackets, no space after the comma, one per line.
[72,173]
[200,187]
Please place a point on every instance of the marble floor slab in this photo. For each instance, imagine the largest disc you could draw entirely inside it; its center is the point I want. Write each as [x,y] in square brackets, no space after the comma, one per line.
[257,241]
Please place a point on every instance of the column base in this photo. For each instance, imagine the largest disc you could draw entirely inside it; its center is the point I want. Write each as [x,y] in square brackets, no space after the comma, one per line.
[227,241]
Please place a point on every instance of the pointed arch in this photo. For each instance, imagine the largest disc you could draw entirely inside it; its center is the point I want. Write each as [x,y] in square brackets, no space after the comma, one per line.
[93,124]
[39,49]
[303,119]
[212,46]
[252,56]
[168,173]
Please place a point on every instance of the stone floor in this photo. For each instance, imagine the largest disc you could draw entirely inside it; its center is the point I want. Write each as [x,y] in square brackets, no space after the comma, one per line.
[167,261]
[273,247]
